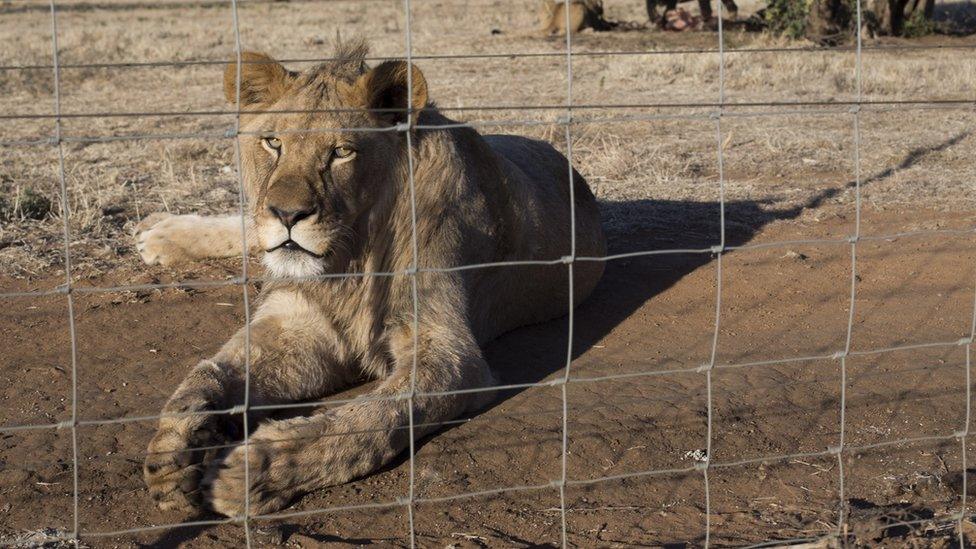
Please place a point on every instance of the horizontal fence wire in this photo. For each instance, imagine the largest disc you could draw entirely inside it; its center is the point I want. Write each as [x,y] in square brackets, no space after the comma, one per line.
[489,56]
[515,107]
[568,116]
[678,471]
[964,342]
[708,250]
[618,400]
[526,122]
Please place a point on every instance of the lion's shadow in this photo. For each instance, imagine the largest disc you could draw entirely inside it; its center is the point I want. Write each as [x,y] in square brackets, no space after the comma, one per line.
[632,226]
[645,226]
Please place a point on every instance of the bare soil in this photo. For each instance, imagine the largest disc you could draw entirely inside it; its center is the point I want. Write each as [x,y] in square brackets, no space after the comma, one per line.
[649,314]
[789,183]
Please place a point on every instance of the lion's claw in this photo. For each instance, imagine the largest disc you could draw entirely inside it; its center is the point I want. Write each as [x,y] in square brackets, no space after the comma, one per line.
[271,474]
[174,464]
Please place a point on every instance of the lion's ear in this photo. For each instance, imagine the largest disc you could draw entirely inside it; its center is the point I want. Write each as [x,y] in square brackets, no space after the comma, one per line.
[263,80]
[383,91]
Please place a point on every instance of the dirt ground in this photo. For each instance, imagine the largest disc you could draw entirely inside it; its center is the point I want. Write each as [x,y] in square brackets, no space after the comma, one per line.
[648,315]
[634,442]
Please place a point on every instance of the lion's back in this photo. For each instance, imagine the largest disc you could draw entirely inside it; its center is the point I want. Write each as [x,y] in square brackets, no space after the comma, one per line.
[537,179]
[540,174]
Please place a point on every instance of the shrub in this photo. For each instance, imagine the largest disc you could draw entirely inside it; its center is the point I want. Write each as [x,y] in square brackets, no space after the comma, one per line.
[33,205]
[832,21]
[787,17]
[28,203]
[917,24]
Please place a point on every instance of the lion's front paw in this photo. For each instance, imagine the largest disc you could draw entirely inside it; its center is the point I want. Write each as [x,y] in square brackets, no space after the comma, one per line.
[167,239]
[272,477]
[176,458]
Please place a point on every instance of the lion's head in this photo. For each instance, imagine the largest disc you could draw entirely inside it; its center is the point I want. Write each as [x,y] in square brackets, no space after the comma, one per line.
[319,154]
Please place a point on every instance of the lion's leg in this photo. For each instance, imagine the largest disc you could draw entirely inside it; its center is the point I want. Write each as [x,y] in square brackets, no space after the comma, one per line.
[295,355]
[547,17]
[171,239]
[290,458]
[669,7]
[652,15]
[731,10]
[705,6]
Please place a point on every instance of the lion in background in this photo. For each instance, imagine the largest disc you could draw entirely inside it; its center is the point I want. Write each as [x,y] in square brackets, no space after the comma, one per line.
[325,201]
[588,14]
[583,14]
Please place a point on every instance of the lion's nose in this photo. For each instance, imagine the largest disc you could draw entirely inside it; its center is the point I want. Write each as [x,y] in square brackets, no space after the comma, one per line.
[290,217]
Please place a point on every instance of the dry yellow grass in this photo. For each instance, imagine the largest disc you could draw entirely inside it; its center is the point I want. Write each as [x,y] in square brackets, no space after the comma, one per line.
[913,158]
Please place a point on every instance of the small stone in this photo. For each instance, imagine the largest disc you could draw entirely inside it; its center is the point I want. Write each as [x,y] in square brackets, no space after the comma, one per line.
[796,255]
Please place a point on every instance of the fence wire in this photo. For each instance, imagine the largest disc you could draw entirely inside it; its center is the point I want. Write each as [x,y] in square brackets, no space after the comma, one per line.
[713,111]
[65,209]
[475,56]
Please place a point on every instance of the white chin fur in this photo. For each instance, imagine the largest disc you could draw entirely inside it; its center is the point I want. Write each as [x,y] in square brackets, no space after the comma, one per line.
[287,264]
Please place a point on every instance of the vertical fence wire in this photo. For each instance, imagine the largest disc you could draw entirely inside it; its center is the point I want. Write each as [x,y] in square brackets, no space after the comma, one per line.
[843,356]
[964,433]
[963,437]
[719,249]
[241,201]
[569,260]
[407,128]
[66,227]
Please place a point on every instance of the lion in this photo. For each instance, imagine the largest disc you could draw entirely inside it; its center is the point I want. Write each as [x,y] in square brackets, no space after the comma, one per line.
[583,14]
[323,201]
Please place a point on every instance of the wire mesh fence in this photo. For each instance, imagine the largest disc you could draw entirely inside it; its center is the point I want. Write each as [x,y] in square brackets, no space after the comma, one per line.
[571,115]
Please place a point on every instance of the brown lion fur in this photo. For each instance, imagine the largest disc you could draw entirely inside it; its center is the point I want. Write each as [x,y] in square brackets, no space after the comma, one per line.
[325,200]
[583,14]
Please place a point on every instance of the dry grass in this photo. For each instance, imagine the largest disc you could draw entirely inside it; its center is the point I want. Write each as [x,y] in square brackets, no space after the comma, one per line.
[911,159]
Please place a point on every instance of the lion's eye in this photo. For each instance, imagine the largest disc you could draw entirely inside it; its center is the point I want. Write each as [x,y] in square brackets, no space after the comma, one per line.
[343,151]
[273,144]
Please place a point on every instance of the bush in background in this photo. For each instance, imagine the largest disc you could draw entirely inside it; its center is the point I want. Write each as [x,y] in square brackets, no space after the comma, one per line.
[833,21]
